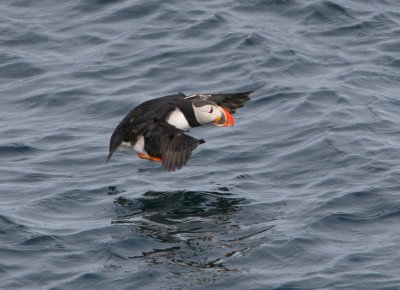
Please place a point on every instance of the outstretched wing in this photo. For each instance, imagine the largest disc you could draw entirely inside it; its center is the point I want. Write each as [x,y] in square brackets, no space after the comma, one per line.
[170,144]
[229,101]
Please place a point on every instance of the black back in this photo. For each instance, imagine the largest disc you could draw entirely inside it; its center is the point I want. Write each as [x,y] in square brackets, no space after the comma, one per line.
[141,117]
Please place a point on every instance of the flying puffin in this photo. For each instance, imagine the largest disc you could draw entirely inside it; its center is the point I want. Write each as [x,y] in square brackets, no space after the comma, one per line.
[156,128]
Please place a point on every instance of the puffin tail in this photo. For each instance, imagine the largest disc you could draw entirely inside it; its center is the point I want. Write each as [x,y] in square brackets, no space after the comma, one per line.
[109,156]
[115,141]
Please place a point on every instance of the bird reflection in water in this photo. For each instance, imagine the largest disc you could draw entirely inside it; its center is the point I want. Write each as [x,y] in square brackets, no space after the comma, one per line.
[196,229]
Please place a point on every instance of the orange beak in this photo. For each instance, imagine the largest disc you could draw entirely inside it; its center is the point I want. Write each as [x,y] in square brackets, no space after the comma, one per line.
[225,120]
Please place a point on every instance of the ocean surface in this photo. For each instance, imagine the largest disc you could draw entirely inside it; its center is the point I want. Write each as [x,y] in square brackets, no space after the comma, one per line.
[302,193]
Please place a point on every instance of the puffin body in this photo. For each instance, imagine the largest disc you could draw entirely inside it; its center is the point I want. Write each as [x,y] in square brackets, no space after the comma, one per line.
[155,128]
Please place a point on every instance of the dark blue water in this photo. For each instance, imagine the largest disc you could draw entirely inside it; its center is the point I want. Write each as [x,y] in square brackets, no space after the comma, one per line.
[303,193]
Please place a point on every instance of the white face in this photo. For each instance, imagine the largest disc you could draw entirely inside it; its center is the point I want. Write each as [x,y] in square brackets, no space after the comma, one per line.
[208,113]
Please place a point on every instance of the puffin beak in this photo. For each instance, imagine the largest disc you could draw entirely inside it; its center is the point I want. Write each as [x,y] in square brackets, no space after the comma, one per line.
[225,120]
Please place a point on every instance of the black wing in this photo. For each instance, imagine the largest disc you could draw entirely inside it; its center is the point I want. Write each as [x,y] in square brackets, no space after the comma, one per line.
[170,144]
[229,101]
[136,121]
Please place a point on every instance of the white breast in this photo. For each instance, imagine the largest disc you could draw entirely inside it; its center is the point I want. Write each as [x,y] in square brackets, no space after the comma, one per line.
[178,120]
[138,146]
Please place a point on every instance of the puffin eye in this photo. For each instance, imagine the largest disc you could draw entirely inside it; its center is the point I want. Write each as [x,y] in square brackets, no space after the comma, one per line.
[211,110]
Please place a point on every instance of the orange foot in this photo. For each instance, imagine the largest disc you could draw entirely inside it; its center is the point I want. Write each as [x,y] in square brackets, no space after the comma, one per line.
[144,156]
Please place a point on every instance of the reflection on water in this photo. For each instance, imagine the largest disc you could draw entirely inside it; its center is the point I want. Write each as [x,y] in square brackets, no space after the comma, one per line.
[178,206]
[197,230]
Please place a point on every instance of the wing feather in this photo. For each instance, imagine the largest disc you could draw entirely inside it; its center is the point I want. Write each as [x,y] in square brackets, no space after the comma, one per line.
[176,150]
[172,145]
[230,101]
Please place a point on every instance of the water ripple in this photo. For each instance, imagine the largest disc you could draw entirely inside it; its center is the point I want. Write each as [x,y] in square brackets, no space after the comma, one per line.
[301,194]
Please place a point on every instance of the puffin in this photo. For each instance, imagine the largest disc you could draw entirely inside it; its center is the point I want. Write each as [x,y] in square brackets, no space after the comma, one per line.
[156,129]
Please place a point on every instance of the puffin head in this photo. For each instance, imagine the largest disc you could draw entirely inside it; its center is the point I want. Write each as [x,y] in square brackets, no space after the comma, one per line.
[207,112]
